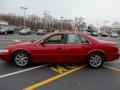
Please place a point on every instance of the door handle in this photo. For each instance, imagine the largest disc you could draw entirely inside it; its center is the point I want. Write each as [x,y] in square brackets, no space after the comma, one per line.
[86,47]
[59,48]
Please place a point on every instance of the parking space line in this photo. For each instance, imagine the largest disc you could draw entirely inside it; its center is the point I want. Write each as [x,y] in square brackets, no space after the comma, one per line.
[112,68]
[21,71]
[16,40]
[34,86]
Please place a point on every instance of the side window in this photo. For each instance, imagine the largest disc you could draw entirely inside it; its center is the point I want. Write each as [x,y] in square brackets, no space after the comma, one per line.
[83,40]
[55,39]
[73,39]
[70,39]
[76,39]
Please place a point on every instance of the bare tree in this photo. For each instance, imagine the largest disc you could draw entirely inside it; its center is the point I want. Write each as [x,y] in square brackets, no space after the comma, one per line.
[35,22]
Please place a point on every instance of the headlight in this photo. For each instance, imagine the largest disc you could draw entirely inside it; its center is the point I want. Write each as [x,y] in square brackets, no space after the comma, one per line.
[2,51]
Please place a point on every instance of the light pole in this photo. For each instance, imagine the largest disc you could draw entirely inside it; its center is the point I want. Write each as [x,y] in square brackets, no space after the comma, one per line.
[45,13]
[24,9]
[61,23]
[105,24]
[97,25]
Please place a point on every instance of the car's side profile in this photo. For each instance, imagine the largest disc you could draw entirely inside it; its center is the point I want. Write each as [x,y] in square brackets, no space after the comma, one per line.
[7,30]
[25,31]
[62,47]
[40,32]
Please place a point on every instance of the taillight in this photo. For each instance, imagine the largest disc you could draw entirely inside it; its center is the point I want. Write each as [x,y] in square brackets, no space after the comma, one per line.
[119,50]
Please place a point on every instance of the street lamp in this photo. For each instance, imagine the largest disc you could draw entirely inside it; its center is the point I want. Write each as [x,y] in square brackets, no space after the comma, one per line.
[45,13]
[105,24]
[97,25]
[24,9]
[61,22]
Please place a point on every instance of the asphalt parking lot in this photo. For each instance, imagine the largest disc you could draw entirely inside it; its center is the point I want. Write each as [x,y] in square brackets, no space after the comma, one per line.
[56,76]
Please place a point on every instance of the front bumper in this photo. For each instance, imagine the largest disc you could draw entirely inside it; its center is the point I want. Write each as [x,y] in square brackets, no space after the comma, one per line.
[5,57]
[2,32]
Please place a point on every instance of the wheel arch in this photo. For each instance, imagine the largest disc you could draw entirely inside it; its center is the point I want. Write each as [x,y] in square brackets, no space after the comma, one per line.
[18,50]
[97,51]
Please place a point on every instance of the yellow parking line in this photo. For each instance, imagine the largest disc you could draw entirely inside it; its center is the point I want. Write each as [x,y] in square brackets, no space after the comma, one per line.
[112,68]
[52,79]
[16,40]
[59,69]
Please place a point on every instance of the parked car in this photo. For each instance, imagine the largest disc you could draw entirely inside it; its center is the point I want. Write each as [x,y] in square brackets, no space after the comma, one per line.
[3,31]
[86,32]
[7,30]
[94,33]
[40,32]
[56,30]
[91,32]
[114,34]
[62,47]
[25,31]
[104,34]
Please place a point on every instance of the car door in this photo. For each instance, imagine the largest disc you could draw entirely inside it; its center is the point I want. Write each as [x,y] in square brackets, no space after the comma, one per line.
[52,49]
[76,48]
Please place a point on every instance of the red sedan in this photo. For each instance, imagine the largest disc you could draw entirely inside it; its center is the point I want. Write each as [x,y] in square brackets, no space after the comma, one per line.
[62,47]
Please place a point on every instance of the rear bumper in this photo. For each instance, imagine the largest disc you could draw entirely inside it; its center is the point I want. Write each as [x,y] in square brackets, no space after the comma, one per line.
[113,56]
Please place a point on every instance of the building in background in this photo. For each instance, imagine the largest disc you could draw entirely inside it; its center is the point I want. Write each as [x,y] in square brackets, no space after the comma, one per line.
[3,24]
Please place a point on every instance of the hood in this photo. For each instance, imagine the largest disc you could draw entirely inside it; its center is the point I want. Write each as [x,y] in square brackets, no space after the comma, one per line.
[19,44]
[107,42]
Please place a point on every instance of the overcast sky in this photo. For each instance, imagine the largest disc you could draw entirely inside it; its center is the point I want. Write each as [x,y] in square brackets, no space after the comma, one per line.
[91,10]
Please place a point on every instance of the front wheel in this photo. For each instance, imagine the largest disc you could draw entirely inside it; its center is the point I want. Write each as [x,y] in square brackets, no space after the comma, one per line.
[95,60]
[21,59]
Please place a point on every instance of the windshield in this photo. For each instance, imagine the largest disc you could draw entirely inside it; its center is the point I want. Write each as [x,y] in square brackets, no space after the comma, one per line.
[45,36]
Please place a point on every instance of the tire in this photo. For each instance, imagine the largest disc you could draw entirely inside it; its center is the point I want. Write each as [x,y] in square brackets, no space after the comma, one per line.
[95,60]
[21,59]
[5,33]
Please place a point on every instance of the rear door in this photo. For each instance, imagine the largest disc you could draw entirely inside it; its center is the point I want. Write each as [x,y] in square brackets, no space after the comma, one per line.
[76,48]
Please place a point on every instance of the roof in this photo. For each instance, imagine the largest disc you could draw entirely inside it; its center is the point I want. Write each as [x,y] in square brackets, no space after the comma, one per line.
[67,32]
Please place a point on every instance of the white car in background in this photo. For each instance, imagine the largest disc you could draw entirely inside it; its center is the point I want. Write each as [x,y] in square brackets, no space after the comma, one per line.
[40,32]
[114,34]
[7,30]
[25,31]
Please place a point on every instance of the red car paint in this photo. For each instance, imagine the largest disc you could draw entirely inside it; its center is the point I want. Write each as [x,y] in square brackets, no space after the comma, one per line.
[65,53]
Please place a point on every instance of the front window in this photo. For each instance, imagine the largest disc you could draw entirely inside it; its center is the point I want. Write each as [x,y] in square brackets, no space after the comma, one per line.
[55,39]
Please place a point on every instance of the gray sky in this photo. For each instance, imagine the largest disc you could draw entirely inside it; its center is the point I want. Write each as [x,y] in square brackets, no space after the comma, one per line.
[91,10]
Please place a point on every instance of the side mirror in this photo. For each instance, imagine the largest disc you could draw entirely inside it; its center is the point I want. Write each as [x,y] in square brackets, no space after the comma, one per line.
[42,42]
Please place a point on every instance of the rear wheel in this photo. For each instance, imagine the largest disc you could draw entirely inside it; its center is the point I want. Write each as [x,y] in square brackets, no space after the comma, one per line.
[21,59]
[95,60]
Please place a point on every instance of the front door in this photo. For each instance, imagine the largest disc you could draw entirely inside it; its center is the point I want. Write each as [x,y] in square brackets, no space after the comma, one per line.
[52,50]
